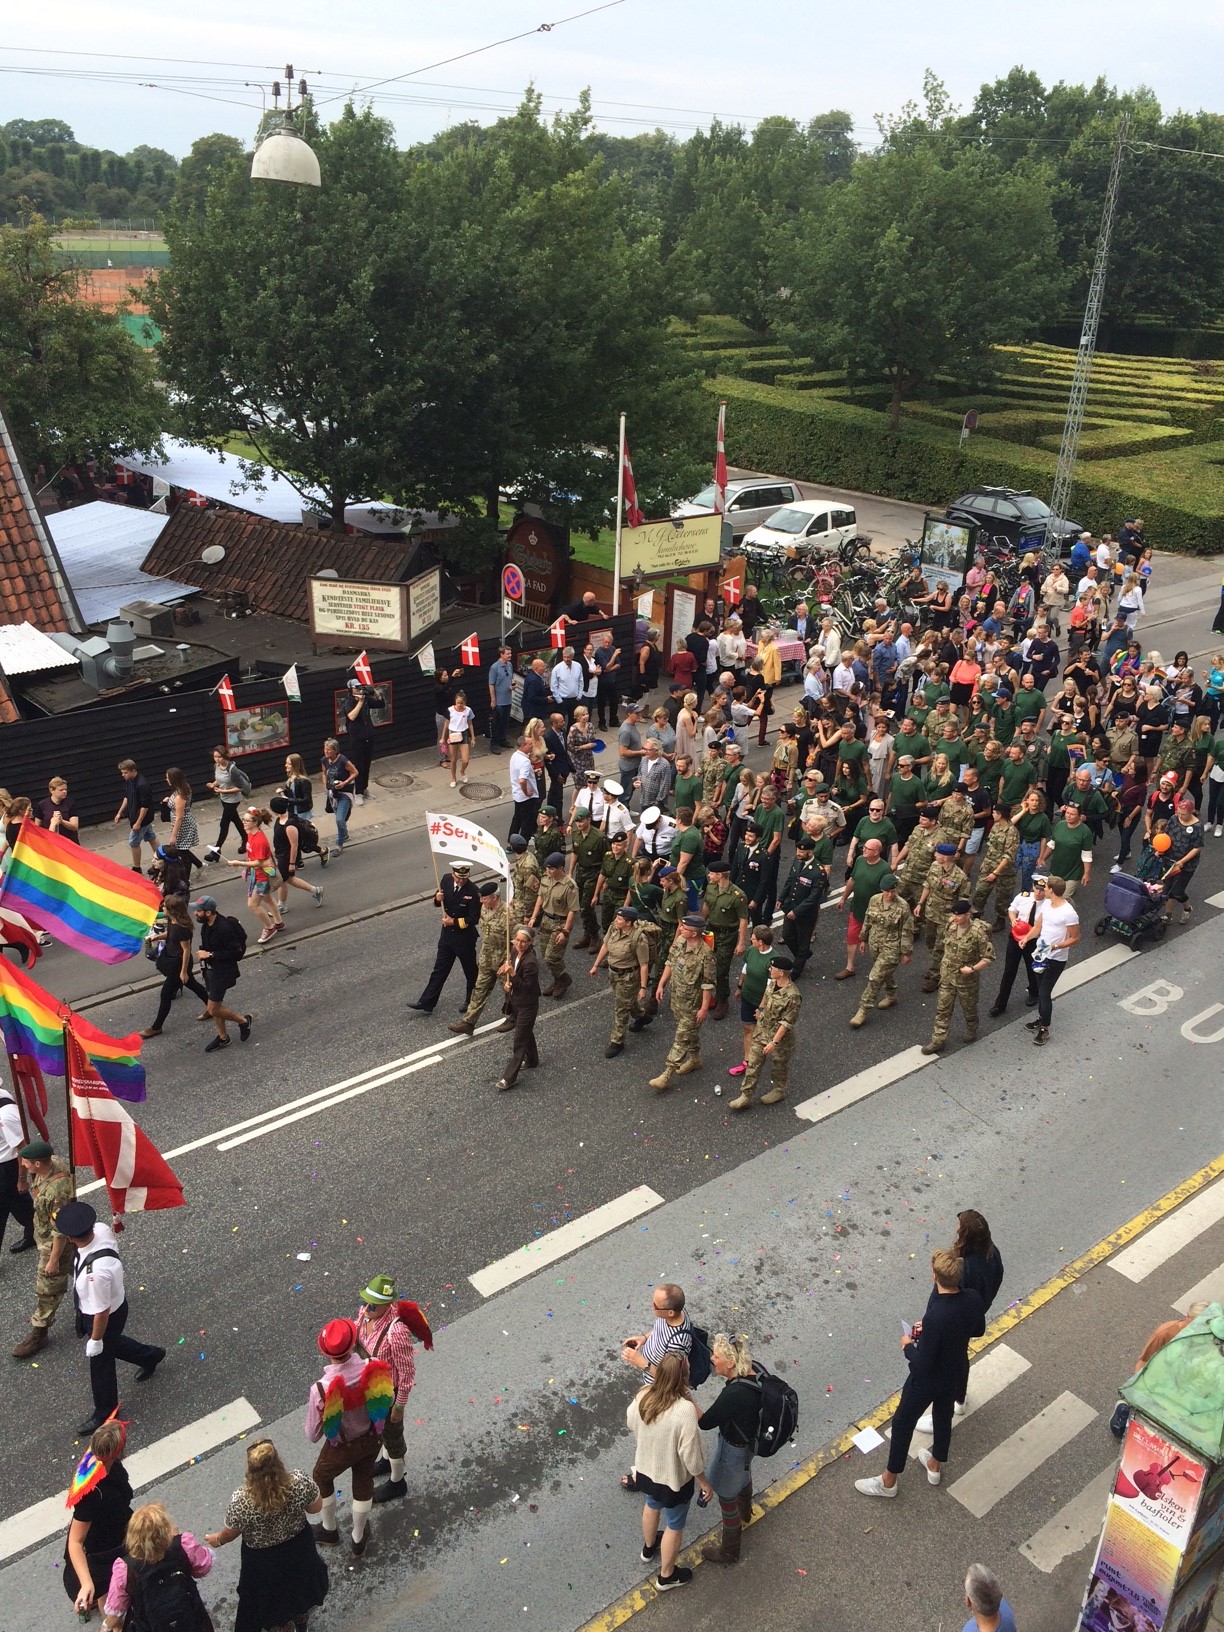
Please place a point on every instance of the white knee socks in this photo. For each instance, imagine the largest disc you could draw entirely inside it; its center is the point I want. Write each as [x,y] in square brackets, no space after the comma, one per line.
[397,1468]
[328,1513]
[361,1516]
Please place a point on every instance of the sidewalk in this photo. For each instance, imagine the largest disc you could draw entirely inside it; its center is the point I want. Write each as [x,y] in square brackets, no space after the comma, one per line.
[1025,1491]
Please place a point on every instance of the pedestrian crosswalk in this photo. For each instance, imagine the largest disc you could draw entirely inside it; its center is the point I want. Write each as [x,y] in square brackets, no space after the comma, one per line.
[1032,1451]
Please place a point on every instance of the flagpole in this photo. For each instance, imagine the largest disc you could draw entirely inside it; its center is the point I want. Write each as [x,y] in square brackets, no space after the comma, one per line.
[620,511]
[68,1107]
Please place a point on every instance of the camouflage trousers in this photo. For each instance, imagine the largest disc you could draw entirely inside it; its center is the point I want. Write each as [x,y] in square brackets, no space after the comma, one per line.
[552,949]
[910,890]
[586,883]
[935,928]
[954,989]
[1004,887]
[686,1044]
[883,978]
[724,955]
[486,980]
[624,984]
[49,1289]
[780,1060]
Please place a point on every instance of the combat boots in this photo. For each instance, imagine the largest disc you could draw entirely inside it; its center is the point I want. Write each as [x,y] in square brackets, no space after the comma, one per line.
[663,1080]
[935,1046]
[564,982]
[34,1340]
[719,1011]
[860,1016]
[775,1096]
[583,943]
[888,1001]
[693,1063]
[726,1550]
[463,1028]
[741,1103]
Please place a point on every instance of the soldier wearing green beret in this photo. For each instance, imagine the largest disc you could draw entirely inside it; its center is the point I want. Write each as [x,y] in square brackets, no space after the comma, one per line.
[51,1184]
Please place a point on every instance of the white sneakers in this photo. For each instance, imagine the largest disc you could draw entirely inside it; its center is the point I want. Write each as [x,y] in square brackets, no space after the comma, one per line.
[934,1475]
[926,1424]
[317,891]
[1219,831]
[874,1486]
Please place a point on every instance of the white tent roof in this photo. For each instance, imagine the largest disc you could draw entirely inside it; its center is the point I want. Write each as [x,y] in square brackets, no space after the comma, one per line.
[219,476]
[101,546]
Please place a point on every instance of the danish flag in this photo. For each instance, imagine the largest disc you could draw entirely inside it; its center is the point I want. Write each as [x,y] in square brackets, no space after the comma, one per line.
[469,651]
[123,476]
[556,633]
[137,1176]
[633,516]
[720,462]
[197,501]
[361,667]
[225,691]
[731,589]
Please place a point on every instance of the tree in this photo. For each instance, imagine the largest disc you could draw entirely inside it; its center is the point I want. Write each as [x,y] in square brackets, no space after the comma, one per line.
[75,386]
[209,157]
[917,265]
[301,318]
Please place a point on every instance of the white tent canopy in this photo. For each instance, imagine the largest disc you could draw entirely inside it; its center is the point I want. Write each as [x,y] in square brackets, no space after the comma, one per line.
[101,547]
[219,476]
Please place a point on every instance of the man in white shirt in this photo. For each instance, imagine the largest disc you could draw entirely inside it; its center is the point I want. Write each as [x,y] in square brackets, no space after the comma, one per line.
[616,817]
[14,1203]
[568,684]
[524,791]
[102,1309]
[829,643]
[904,643]
[844,678]
[654,835]
[1050,940]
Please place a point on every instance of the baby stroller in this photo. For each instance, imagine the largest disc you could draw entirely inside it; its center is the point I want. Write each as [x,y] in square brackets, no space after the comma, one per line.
[1133,909]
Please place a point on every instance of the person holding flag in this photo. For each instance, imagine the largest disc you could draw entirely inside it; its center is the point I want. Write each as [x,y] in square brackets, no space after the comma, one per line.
[359,728]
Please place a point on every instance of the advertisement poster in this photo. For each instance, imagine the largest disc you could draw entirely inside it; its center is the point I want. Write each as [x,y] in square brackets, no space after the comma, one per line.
[1159,1483]
[1135,1568]
[1191,1609]
[255,730]
[424,602]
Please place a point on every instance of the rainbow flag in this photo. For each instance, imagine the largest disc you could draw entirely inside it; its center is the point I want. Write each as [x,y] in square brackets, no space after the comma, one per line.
[92,904]
[32,1022]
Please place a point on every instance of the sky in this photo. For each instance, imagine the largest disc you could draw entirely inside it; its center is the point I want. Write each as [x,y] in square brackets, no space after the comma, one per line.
[673,64]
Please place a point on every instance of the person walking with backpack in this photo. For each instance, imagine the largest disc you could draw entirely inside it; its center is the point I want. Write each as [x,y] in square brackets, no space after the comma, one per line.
[348,1407]
[288,832]
[232,785]
[736,1414]
[153,1582]
[173,962]
[385,1330]
[223,943]
[339,779]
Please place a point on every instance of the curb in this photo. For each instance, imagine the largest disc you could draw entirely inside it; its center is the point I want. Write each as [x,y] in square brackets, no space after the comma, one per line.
[803,1473]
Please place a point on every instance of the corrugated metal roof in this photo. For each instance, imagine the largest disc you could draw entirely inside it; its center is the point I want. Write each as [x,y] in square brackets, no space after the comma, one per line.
[26,650]
[219,476]
[101,546]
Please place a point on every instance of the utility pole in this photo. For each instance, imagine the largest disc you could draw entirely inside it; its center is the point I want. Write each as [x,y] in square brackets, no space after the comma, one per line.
[1064,475]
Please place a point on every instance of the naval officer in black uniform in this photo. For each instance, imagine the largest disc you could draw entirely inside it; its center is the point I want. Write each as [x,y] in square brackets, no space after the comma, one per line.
[460,902]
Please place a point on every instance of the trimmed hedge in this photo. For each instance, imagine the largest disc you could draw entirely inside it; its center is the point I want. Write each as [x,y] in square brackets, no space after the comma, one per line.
[805,435]
[1120,441]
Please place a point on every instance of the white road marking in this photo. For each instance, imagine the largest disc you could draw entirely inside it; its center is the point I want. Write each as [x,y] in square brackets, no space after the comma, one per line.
[863,1084]
[1100,963]
[1209,1290]
[326,1104]
[155,1461]
[1168,1237]
[1073,1526]
[567,1238]
[988,1377]
[1021,1453]
[1216,900]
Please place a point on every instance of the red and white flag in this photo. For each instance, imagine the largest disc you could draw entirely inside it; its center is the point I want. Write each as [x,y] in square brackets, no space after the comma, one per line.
[124,477]
[556,634]
[137,1176]
[361,668]
[225,691]
[197,501]
[720,462]
[731,591]
[469,651]
[633,516]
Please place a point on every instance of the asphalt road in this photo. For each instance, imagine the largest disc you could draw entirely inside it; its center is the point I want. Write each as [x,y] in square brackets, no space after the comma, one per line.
[810,1238]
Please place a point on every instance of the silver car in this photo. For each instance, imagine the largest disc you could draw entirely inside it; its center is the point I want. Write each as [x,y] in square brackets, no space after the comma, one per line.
[749,502]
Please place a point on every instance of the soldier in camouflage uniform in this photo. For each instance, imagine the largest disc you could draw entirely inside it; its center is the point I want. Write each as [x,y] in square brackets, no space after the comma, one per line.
[997,869]
[966,952]
[525,877]
[555,912]
[689,971]
[955,820]
[612,885]
[51,1185]
[493,953]
[590,846]
[944,884]
[914,862]
[774,1037]
[725,909]
[549,834]
[627,952]
[668,912]
[713,775]
[888,934]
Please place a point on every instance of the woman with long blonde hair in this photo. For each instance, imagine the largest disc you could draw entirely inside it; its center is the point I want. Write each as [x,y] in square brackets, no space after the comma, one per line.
[281,1577]
[669,1460]
[153,1538]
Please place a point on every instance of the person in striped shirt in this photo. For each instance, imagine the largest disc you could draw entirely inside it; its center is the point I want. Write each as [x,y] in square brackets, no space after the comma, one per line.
[670,1334]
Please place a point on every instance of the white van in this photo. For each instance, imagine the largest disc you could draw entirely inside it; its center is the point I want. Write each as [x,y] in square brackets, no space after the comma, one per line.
[806,525]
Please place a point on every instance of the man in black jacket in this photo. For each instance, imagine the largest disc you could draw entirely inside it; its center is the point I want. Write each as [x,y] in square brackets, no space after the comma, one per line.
[460,902]
[537,699]
[801,897]
[522,983]
[359,731]
[222,945]
[937,1349]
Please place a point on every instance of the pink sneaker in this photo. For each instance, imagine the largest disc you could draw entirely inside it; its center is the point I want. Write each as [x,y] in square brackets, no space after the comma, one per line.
[738,1070]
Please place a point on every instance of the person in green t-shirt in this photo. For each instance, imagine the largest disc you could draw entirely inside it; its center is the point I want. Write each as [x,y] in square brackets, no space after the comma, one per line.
[1029,703]
[1034,828]
[905,794]
[863,883]
[875,825]
[954,746]
[1016,777]
[750,988]
[1068,852]
[940,779]
[850,776]
[688,855]
[689,787]
[912,743]
[770,819]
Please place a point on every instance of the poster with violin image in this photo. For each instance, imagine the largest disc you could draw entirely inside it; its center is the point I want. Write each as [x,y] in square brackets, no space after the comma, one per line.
[1148,1523]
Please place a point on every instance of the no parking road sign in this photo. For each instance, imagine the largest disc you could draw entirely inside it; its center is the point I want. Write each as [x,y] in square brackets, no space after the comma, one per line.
[513,585]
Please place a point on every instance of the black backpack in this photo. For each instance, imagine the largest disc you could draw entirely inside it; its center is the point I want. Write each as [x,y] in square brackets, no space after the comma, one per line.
[308,835]
[164,1596]
[779,1418]
[241,937]
[699,1356]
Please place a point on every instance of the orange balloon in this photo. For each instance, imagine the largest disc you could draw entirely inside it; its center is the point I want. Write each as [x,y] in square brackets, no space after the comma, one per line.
[1161,842]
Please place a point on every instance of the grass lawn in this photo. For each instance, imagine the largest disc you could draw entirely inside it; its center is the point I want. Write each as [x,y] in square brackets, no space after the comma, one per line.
[108,242]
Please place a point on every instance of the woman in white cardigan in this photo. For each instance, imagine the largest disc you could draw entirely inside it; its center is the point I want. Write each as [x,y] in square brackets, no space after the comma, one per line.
[669,1459]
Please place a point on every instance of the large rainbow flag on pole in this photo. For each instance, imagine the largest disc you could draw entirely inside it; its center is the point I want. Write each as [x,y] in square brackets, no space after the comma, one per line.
[32,1022]
[94,905]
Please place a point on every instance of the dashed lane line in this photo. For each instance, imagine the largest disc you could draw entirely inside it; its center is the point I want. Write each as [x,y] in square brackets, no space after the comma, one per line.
[1162,1242]
[567,1238]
